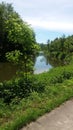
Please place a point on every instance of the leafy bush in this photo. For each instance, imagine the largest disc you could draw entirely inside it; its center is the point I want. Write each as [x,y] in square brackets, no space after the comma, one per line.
[19,87]
[40,94]
[22,87]
[56,75]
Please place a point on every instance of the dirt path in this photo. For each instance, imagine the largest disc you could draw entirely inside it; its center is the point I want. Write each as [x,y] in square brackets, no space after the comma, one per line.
[59,119]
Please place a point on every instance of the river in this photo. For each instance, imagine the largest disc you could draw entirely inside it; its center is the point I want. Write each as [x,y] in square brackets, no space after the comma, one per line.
[41,65]
[7,70]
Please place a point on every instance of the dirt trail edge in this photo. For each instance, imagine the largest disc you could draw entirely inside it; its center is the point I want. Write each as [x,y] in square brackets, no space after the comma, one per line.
[60,118]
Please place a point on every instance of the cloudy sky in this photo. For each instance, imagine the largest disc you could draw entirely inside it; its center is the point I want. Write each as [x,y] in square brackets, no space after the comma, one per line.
[49,18]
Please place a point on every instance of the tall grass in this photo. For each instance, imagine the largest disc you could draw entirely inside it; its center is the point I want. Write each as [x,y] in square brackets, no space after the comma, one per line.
[48,91]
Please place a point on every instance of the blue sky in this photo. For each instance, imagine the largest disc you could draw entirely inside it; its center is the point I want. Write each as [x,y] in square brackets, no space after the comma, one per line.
[49,18]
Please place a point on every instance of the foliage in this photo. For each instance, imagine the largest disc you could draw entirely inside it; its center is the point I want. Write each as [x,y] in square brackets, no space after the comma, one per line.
[22,102]
[16,88]
[21,87]
[29,109]
[55,75]
[60,49]
[14,56]
[17,37]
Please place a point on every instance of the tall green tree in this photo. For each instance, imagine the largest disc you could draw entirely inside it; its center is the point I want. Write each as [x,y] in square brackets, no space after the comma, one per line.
[15,35]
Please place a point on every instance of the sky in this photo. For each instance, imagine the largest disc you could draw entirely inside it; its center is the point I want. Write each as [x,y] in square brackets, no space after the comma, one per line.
[48,18]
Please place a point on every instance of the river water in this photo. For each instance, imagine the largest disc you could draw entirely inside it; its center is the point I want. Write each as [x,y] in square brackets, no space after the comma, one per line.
[7,70]
[41,65]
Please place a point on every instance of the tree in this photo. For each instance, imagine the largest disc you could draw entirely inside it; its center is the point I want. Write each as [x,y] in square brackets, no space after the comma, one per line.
[61,49]
[5,10]
[18,42]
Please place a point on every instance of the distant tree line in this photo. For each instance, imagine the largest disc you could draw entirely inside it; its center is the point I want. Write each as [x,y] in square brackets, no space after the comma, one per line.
[60,49]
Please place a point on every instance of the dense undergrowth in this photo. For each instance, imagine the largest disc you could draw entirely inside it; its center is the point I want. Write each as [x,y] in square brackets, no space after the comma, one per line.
[22,102]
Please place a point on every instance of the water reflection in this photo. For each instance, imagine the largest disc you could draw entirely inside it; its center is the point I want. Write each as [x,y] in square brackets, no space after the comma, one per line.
[41,64]
[8,70]
[55,62]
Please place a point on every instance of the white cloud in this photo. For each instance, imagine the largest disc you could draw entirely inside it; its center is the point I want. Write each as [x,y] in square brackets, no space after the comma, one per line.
[45,9]
[54,15]
[62,26]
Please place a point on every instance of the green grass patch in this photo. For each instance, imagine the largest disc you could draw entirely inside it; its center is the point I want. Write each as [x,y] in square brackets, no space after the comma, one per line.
[47,93]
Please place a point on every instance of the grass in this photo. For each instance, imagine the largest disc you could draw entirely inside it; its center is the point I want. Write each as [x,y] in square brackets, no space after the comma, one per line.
[55,92]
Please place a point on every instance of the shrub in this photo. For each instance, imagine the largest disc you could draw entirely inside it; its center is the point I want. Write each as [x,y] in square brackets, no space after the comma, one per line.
[19,87]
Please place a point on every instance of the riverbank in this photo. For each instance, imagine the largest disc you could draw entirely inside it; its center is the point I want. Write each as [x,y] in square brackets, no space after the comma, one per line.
[50,90]
[8,70]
